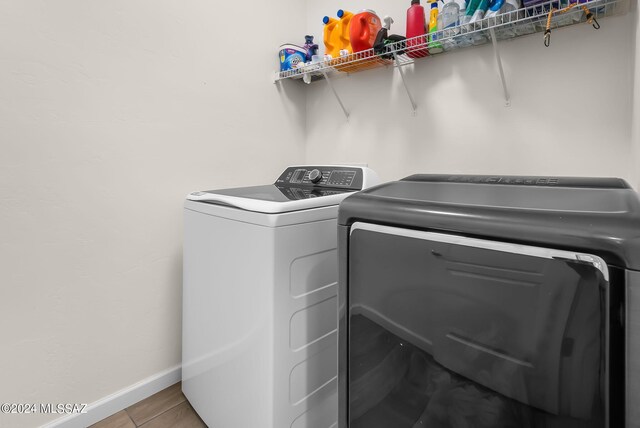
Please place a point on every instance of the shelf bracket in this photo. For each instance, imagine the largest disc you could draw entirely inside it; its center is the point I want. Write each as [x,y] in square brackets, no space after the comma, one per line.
[496,53]
[406,87]
[335,93]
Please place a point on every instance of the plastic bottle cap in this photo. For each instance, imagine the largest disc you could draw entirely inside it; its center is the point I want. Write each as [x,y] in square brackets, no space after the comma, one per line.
[325,19]
[415,1]
[340,13]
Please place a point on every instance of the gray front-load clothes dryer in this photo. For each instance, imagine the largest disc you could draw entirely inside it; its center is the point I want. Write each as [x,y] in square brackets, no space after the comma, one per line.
[482,301]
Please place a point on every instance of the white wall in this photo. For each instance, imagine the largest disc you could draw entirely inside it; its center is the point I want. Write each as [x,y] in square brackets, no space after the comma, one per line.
[635,121]
[110,112]
[570,112]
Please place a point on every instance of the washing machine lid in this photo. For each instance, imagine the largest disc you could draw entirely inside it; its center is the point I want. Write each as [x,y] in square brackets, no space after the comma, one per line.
[271,199]
[297,188]
[597,215]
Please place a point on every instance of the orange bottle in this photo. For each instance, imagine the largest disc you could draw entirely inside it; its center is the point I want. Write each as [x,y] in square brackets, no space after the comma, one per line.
[331,37]
[345,22]
[364,29]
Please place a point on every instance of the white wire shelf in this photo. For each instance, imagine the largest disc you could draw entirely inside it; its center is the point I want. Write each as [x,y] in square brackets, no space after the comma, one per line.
[521,22]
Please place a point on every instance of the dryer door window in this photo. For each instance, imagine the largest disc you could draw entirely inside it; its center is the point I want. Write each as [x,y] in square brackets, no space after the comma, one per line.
[447,331]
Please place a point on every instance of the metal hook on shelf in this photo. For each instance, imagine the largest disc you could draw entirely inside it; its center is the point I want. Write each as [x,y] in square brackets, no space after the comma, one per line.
[547,30]
[590,18]
[589,15]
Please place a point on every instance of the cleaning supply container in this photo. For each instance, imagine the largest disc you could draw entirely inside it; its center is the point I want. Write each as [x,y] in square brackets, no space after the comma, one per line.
[311,47]
[331,37]
[343,31]
[435,47]
[448,20]
[474,12]
[416,30]
[512,10]
[386,42]
[495,8]
[291,56]
[363,31]
[344,41]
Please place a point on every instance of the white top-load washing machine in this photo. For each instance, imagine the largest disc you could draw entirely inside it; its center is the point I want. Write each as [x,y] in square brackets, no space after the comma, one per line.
[259,300]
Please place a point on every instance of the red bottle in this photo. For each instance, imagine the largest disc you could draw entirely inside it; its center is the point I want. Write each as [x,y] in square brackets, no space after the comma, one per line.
[416,31]
[363,30]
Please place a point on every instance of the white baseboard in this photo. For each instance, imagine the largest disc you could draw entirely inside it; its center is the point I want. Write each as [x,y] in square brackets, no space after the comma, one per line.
[119,400]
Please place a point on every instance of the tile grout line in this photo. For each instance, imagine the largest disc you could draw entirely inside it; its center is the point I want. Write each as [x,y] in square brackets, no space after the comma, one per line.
[130,418]
[158,415]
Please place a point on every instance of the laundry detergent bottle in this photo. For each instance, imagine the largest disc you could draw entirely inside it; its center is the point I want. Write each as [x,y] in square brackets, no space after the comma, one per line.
[331,37]
[363,31]
[416,30]
[343,31]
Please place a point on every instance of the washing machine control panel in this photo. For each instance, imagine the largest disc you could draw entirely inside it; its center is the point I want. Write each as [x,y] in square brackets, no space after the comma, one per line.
[336,177]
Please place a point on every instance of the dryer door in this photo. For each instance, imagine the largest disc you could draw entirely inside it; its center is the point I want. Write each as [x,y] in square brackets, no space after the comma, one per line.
[448,331]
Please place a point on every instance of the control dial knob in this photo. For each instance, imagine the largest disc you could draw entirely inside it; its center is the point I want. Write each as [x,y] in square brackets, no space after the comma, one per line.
[315,176]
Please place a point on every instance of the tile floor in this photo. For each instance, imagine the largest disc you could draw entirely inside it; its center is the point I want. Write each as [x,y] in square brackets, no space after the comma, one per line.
[168,408]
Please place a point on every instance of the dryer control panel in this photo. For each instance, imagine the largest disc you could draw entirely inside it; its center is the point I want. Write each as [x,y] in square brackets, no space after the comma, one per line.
[337,177]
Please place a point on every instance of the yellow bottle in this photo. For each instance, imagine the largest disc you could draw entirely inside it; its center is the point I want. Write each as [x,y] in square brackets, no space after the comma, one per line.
[345,38]
[331,37]
[434,46]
